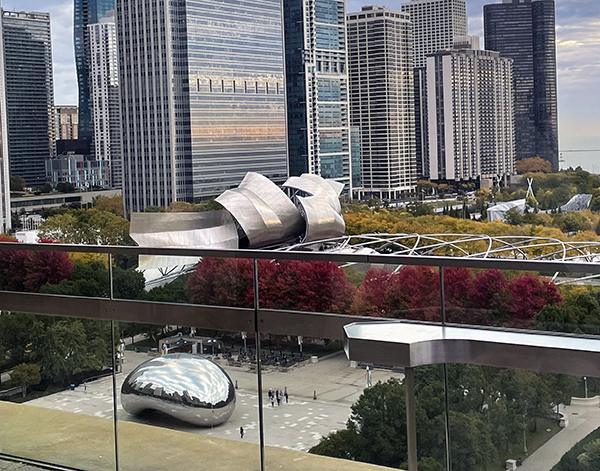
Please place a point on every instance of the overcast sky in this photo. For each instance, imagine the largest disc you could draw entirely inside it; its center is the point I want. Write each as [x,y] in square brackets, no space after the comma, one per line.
[578,51]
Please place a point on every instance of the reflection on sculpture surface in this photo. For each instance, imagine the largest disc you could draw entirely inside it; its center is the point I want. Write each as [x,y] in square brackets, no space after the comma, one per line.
[188,387]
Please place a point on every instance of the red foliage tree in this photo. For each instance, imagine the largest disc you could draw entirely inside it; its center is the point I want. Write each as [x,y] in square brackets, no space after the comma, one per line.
[488,297]
[304,286]
[316,286]
[46,267]
[371,298]
[529,294]
[221,282]
[414,293]
[457,284]
[12,267]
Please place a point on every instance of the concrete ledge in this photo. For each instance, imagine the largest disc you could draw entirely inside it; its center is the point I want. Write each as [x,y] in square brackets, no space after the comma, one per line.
[582,401]
[87,442]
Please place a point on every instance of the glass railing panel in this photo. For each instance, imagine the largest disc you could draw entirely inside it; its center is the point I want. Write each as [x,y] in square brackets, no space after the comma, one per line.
[57,390]
[504,418]
[190,400]
[557,302]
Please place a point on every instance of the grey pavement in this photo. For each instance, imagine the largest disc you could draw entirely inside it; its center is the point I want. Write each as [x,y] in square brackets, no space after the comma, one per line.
[583,419]
[297,425]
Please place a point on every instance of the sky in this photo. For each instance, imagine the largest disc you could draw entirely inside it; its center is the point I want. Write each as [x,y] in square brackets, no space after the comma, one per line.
[578,58]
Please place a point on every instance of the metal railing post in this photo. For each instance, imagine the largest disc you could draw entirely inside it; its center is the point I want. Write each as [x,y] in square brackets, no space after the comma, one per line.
[114,362]
[261,425]
[445,374]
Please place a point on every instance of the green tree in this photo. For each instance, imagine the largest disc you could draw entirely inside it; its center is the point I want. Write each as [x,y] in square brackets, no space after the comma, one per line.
[590,459]
[17,183]
[25,375]
[87,227]
[377,425]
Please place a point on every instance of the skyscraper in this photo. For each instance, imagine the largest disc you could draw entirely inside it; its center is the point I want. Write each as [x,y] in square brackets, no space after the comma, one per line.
[29,93]
[435,25]
[317,89]
[104,74]
[5,215]
[202,97]
[381,99]
[524,30]
[86,12]
[471,115]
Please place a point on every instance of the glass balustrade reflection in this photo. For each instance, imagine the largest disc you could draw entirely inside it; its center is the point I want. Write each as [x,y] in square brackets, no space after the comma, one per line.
[57,390]
[186,396]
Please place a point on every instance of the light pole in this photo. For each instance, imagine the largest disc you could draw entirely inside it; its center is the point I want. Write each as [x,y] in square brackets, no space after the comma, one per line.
[585,386]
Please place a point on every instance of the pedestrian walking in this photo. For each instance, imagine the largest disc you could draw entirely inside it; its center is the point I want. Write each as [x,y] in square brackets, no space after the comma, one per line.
[270,394]
[84,387]
[241,432]
[272,401]
[286,397]
[278,400]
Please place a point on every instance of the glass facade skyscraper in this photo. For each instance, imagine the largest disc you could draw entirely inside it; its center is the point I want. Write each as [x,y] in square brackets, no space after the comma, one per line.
[317,89]
[86,12]
[202,97]
[524,30]
[29,93]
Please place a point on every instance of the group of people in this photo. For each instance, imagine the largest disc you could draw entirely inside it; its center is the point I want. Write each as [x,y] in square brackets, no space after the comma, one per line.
[278,397]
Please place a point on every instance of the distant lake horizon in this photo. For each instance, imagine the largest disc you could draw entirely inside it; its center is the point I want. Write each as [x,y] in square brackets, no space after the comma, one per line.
[589,160]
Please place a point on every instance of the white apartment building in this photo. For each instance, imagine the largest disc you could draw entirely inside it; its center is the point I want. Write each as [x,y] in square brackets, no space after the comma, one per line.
[104,99]
[436,24]
[471,115]
[381,99]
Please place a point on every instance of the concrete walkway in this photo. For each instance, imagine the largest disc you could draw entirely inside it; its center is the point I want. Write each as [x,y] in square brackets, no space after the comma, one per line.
[583,419]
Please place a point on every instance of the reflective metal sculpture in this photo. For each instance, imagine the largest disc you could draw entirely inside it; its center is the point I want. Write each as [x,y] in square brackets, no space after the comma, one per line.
[313,185]
[214,229]
[188,387]
[264,212]
[322,222]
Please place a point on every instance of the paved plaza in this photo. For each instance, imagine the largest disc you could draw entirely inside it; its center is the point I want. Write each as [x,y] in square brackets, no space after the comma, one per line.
[297,425]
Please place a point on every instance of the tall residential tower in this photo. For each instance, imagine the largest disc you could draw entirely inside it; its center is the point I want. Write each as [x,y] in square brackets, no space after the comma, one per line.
[202,97]
[104,80]
[524,30]
[436,24]
[317,89]
[381,99]
[471,115]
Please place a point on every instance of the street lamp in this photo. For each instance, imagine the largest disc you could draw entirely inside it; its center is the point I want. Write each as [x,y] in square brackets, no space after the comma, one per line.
[585,386]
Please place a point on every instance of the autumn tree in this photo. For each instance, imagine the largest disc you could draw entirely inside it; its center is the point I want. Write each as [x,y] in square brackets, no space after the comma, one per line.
[304,286]
[110,204]
[309,286]
[533,164]
[414,293]
[529,294]
[371,298]
[221,282]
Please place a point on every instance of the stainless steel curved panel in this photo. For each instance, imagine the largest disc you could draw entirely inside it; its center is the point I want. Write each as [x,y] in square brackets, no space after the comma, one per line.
[188,387]
[263,211]
[315,185]
[322,221]
[277,200]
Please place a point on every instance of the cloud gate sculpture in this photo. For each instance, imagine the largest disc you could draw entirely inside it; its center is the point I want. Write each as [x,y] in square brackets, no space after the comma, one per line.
[188,387]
